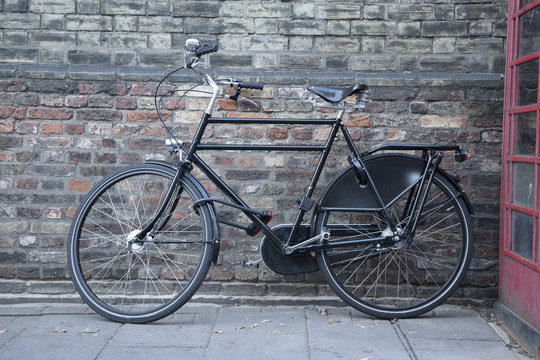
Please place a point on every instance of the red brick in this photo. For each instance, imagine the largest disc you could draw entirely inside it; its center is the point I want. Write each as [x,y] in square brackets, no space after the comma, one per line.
[360,120]
[7,127]
[76,101]
[174,104]
[277,133]
[27,128]
[126,103]
[145,116]
[153,131]
[6,156]
[27,184]
[54,213]
[227,105]
[302,134]
[249,161]
[435,121]
[98,115]
[150,89]
[111,89]
[223,160]
[105,159]
[74,129]
[251,133]
[78,185]
[15,113]
[50,128]
[49,114]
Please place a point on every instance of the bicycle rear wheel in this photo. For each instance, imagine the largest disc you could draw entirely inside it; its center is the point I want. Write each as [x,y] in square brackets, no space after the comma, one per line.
[401,280]
[139,281]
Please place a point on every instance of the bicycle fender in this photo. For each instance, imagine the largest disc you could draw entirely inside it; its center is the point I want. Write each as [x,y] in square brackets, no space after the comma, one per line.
[216,234]
[345,193]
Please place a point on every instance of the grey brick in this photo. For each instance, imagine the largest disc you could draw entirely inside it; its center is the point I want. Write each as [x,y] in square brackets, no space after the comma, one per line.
[337,44]
[19,21]
[268,10]
[235,9]
[195,26]
[373,27]
[409,29]
[89,39]
[409,45]
[51,55]
[159,8]
[225,60]
[50,38]
[161,57]
[52,22]
[301,43]
[444,28]
[78,72]
[373,44]
[17,38]
[7,70]
[15,5]
[301,62]
[140,74]
[262,43]
[266,26]
[478,11]
[337,62]
[410,12]
[89,23]
[481,28]
[125,23]
[124,7]
[303,10]
[444,45]
[43,72]
[339,11]
[195,9]
[89,57]
[52,6]
[159,41]
[160,24]
[338,28]
[373,12]
[301,27]
[231,26]
[129,41]
[88,6]
[443,12]
[480,46]
[124,57]
[373,62]
[19,55]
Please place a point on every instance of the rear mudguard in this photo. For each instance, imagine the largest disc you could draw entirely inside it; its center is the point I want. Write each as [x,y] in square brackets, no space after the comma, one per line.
[216,236]
[392,174]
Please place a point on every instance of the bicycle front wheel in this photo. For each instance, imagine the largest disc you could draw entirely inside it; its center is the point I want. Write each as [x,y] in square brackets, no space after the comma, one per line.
[400,280]
[139,281]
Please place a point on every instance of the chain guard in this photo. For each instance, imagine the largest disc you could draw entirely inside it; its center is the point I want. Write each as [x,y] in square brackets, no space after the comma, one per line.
[288,264]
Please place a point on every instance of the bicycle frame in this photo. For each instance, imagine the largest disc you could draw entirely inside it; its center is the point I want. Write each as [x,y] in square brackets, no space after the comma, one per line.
[306,202]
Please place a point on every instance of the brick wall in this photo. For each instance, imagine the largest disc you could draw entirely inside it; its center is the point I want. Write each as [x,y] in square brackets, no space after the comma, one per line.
[76,85]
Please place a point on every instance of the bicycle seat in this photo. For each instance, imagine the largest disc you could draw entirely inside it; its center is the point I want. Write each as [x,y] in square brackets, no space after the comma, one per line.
[336,95]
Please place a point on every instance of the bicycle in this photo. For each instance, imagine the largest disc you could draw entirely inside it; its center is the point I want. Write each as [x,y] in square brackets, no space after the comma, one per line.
[391,233]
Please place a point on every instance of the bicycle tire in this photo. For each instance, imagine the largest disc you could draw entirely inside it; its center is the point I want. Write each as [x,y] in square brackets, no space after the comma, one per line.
[406,280]
[139,282]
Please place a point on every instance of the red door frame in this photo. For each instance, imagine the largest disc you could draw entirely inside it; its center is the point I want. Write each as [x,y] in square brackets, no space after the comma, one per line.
[519,277]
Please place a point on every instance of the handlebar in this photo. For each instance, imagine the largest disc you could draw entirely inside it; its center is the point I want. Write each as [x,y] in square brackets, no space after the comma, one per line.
[250,85]
[206,49]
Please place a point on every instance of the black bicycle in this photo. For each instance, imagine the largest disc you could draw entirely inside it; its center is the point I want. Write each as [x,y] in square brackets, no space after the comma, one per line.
[391,233]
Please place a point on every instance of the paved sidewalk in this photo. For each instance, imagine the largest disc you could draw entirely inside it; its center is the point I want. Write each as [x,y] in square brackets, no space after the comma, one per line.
[64,331]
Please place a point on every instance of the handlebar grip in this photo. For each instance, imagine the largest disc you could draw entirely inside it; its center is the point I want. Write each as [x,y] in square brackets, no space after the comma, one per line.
[251,85]
[207,49]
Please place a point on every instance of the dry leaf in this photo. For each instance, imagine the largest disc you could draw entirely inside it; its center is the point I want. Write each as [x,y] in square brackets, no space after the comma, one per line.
[324,313]
[276,333]
[254,326]
[331,321]
[61,331]
[361,326]
[364,358]
[239,328]
[3,331]
[219,332]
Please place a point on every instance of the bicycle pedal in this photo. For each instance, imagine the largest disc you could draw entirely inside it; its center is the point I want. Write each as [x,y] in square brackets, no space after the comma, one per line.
[253,230]
[252,263]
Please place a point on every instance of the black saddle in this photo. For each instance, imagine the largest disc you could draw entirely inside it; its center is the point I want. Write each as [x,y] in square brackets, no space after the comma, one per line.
[336,95]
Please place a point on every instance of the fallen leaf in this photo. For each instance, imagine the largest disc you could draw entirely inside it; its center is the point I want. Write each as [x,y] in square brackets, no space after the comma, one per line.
[231,342]
[331,321]
[90,331]
[61,331]
[395,321]
[254,326]
[364,358]
[266,321]
[239,328]
[3,331]
[324,313]
[219,332]
[276,333]
[361,327]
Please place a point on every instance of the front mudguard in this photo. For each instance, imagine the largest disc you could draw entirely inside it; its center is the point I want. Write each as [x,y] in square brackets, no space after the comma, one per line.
[216,236]
[392,174]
